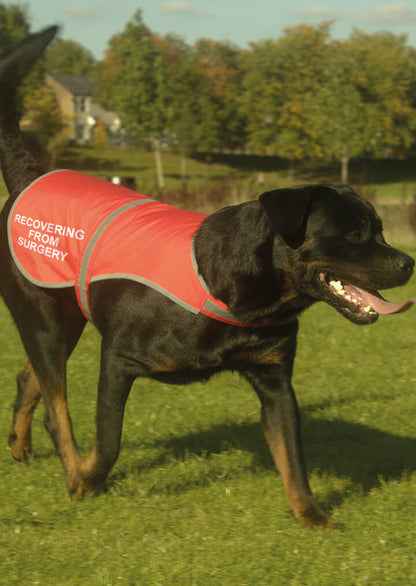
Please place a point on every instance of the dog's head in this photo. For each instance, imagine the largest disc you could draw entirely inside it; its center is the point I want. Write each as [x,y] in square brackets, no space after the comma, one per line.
[337,247]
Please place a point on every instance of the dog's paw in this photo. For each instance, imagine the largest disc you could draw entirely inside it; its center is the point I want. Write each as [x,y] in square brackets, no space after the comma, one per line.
[314,517]
[21,448]
[79,489]
[84,481]
[310,515]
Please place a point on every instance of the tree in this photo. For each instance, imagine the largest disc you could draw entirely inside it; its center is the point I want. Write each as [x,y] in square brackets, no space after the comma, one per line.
[362,105]
[386,76]
[222,123]
[13,25]
[180,76]
[100,135]
[44,119]
[306,96]
[281,79]
[336,111]
[13,28]
[133,80]
[69,57]
[151,82]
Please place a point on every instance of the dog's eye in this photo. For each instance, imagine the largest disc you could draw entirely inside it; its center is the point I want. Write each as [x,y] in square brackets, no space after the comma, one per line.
[355,236]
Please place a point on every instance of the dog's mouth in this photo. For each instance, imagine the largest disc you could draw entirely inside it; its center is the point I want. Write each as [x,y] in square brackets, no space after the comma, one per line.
[357,304]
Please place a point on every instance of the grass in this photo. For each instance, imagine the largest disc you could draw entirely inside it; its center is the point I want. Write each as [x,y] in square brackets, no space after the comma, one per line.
[194,498]
[224,179]
[207,184]
[390,181]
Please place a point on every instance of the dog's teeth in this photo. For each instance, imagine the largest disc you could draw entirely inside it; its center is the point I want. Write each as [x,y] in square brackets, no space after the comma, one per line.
[348,297]
[337,285]
[367,309]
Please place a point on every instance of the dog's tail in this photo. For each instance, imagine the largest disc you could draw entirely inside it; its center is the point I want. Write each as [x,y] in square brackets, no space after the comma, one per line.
[20,166]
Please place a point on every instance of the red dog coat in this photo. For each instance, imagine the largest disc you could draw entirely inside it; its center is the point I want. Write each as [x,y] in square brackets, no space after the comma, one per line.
[70,229]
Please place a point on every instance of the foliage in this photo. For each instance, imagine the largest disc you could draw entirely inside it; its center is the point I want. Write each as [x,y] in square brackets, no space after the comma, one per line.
[44,119]
[157,97]
[309,97]
[362,105]
[56,146]
[143,99]
[100,135]
[220,123]
[302,96]
[43,114]
[13,25]
[280,81]
[135,68]
[69,57]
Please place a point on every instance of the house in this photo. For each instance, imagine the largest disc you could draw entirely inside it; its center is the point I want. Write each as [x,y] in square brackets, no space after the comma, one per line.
[75,97]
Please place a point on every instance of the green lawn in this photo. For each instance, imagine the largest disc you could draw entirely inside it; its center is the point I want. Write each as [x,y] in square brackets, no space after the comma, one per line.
[194,498]
[231,178]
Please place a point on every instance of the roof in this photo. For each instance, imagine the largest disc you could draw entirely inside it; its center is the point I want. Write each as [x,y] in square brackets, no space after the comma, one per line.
[78,85]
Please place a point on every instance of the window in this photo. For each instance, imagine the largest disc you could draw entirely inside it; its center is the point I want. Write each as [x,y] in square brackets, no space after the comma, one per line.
[80,104]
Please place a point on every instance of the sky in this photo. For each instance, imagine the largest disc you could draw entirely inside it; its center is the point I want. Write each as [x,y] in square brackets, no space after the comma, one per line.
[93,22]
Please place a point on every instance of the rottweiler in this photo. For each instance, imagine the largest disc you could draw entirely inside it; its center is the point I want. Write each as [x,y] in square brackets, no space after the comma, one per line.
[260,264]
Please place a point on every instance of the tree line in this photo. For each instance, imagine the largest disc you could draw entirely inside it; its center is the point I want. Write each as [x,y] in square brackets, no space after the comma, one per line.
[301,96]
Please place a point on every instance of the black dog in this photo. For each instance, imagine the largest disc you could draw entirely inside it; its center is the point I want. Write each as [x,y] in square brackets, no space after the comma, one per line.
[266,260]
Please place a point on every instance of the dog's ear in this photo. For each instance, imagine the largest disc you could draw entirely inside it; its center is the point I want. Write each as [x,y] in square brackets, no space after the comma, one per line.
[287,209]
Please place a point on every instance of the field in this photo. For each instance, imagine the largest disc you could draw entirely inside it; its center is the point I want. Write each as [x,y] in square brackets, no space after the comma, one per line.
[206,183]
[236,176]
[194,498]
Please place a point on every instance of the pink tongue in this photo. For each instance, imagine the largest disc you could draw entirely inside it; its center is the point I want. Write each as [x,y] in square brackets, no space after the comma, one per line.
[379,304]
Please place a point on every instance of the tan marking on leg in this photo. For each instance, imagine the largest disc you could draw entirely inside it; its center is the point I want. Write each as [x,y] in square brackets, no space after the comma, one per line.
[266,356]
[302,503]
[27,398]
[167,366]
[58,421]
[64,438]
[89,477]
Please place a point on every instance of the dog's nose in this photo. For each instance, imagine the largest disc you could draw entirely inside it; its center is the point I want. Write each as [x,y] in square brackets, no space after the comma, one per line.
[405,263]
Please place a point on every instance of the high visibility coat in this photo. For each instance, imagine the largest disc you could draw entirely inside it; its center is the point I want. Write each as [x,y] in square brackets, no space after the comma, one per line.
[68,229]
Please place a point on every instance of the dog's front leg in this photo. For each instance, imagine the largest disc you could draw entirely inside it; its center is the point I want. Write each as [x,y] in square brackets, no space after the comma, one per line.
[281,428]
[116,379]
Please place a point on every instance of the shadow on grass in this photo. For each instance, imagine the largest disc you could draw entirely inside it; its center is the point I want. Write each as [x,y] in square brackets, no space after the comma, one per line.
[357,453]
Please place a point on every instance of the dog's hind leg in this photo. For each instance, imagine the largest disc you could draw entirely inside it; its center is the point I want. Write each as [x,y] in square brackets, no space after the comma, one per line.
[49,330]
[28,395]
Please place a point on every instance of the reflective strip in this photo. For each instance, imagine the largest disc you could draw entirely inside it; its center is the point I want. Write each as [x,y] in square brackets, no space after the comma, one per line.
[215,309]
[209,304]
[150,284]
[212,308]
[196,269]
[10,240]
[82,285]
